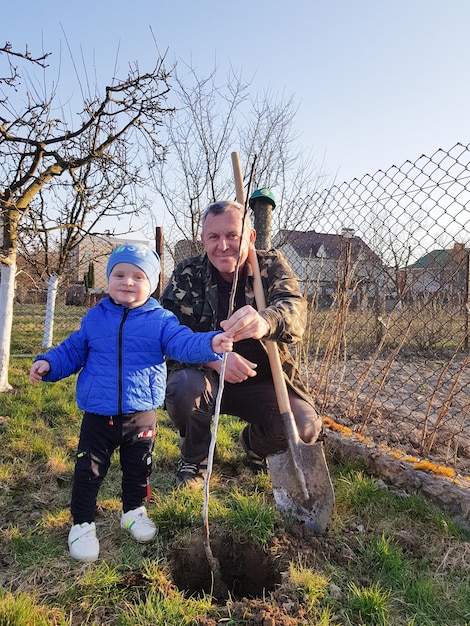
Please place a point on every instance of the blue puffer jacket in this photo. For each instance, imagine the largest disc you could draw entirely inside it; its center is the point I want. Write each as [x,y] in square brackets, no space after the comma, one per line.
[120,353]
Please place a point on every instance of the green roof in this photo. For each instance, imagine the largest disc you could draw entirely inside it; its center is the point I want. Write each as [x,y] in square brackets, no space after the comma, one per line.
[431,259]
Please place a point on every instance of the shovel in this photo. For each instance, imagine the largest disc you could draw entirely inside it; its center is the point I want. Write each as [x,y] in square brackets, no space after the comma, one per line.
[300,478]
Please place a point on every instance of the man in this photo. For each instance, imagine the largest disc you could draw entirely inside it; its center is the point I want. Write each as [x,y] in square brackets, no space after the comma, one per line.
[199,294]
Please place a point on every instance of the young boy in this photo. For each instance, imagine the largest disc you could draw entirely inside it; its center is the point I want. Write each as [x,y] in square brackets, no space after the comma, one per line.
[119,351]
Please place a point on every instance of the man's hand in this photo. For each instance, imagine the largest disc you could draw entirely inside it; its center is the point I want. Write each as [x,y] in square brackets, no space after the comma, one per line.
[38,370]
[237,368]
[246,323]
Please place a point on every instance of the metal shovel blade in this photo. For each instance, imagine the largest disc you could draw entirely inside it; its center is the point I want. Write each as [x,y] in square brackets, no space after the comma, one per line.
[302,485]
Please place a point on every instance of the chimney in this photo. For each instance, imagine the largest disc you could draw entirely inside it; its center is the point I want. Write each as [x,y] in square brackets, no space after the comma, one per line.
[347,232]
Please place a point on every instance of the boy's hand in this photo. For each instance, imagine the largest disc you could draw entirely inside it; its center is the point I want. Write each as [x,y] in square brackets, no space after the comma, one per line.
[222,343]
[38,370]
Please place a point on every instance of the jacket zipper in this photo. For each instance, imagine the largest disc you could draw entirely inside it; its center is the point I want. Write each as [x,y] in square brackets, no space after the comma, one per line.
[126,311]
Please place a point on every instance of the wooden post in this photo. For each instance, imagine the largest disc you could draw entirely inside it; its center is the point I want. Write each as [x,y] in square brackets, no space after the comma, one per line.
[159,250]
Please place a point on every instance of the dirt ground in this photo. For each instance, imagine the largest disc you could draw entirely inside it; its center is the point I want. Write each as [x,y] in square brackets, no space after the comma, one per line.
[252,578]
[420,406]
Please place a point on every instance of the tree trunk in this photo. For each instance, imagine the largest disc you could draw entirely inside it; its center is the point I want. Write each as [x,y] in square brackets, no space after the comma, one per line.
[50,309]
[7,294]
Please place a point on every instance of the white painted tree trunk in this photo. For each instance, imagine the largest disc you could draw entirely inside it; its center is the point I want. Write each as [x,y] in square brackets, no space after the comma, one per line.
[50,309]
[7,294]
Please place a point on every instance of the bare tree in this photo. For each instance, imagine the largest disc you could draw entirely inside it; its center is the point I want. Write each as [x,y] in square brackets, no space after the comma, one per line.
[200,136]
[213,118]
[269,136]
[64,176]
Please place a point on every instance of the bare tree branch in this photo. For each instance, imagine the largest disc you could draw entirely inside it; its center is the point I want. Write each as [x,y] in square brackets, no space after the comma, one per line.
[14,75]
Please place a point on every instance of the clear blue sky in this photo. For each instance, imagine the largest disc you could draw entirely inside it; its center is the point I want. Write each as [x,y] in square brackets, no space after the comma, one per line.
[377,81]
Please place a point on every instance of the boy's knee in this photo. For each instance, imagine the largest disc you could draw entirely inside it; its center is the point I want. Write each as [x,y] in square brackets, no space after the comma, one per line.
[88,466]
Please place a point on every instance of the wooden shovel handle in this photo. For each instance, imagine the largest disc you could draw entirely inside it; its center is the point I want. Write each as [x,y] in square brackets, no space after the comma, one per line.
[273,353]
[238,176]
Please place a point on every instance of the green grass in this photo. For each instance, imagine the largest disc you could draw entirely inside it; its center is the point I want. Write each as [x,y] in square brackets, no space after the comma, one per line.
[311,587]
[370,604]
[252,516]
[28,328]
[387,559]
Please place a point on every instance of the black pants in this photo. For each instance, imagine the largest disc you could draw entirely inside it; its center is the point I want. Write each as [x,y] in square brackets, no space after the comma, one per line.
[100,435]
[190,399]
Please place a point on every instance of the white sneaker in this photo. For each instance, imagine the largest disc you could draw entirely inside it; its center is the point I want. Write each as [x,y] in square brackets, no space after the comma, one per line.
[83,543]
[139,525]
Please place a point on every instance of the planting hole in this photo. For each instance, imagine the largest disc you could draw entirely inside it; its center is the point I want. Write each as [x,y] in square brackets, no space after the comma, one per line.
[246,570]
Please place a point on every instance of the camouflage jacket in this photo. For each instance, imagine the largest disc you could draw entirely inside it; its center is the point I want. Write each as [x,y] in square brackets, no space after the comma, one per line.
[191,294]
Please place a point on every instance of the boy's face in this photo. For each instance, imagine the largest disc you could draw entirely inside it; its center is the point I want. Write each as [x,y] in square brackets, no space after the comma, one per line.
[128,285]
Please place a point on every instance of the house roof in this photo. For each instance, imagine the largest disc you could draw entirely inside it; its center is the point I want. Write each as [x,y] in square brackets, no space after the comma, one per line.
[331,246]
[435,258]
[441,258]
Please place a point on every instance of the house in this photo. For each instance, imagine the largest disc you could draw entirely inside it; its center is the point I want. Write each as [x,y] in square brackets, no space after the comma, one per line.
[324,262]
[441,273]
[185,248]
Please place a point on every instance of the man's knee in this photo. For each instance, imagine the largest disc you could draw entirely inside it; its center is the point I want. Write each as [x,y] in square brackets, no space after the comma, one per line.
[186,389]
[309,426]
[309,423]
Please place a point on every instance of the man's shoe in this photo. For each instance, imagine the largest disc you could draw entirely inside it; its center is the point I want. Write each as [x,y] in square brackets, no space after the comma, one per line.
[257,463]
[139,524]
[83,543]
[191,474]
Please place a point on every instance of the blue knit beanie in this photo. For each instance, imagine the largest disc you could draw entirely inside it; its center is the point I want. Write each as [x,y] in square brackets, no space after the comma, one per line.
[141,256]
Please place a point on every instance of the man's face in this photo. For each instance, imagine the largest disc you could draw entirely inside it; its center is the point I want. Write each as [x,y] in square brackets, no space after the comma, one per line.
[221,237]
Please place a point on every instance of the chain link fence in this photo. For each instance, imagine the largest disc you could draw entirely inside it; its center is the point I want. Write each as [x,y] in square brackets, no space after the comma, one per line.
[384,263]
[385,266]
